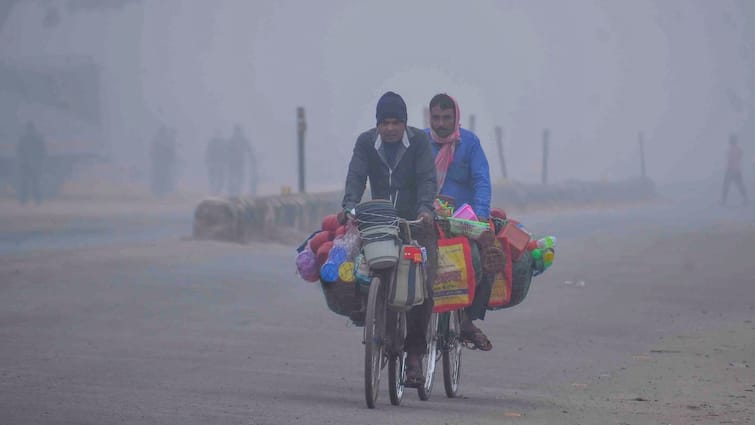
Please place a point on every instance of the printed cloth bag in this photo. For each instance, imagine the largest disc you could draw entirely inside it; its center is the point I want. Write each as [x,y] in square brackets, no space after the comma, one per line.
[454,285]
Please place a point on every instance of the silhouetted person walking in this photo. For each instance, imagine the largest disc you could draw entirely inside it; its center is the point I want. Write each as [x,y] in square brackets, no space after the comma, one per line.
[31,152]
[239,153]
[734,170]
[216,157]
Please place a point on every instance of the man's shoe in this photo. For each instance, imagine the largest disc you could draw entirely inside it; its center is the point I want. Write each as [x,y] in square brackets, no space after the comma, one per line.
[414,375]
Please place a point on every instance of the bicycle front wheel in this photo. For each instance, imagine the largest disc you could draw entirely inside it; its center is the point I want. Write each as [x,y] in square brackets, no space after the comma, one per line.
[374,337]
[452,349]
[396,377]
[395,331]
[428,364]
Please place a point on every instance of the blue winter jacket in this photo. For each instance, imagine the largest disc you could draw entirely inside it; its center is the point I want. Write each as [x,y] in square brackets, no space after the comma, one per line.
[468,177]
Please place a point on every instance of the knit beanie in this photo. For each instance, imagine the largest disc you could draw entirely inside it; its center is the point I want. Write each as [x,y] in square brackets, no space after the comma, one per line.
[391,105]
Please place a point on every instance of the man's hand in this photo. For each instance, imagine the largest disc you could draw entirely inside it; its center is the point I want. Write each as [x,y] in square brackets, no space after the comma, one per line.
[427,218]
[343,216]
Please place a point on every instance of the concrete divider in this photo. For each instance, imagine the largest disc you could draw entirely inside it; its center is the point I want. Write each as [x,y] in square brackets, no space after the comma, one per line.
[287,217]
[282,217]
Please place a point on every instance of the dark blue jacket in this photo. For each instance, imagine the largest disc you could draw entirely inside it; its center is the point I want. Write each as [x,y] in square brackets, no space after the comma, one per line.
[468,177]
[410,183]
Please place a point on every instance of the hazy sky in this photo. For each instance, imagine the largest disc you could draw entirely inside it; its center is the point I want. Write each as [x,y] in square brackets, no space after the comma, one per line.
[595,72]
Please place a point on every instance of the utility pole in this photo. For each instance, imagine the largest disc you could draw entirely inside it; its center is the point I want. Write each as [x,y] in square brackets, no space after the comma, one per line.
[301,129]
[472,119]
[499,142]
[546,136]
[426,116]
[641,142]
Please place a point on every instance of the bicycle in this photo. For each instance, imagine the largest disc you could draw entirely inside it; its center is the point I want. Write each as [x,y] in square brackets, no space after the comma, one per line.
[445,345]
[384,335]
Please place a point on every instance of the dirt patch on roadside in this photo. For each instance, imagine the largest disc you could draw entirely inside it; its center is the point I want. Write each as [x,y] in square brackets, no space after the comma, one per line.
[706,378]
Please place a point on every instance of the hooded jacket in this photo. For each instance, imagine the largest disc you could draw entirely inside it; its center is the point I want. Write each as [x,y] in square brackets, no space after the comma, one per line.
[410,184]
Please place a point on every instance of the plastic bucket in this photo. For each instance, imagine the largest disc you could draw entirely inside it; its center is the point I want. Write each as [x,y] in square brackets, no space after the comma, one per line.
[381,254]
[377,221]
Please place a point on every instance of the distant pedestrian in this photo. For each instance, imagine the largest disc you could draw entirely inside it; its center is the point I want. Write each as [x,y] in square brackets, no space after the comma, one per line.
[31,153]
[216,157]
[734,170]
[240,153]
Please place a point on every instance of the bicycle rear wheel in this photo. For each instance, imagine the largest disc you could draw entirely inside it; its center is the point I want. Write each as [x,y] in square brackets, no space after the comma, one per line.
[452,348]
[374,338]
[428,364]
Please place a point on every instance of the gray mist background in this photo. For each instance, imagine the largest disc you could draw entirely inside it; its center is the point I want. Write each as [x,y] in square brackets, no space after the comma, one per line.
[594,72]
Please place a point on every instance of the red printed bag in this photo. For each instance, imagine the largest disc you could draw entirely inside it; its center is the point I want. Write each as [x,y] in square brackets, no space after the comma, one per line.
[454,285]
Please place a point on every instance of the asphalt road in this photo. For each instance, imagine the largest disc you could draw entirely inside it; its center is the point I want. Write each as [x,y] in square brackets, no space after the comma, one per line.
[152,328]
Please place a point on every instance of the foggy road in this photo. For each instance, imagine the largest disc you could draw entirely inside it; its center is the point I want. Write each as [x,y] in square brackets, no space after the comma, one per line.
[67,224]
[93,233]
[118,117]
[177,331]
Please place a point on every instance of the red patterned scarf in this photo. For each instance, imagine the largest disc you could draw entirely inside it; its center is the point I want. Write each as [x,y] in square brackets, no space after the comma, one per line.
[448,146]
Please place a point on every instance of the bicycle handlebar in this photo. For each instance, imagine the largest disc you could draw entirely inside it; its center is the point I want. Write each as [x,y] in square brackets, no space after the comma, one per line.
[352,215]
[417,221]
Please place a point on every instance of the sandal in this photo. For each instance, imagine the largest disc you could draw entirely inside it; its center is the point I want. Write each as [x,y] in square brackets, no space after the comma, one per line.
[476,340]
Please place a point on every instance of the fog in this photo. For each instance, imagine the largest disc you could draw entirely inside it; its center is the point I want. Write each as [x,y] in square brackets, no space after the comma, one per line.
[595,73]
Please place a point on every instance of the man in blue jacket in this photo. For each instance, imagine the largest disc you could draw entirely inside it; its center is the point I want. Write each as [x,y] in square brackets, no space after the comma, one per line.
[463,174]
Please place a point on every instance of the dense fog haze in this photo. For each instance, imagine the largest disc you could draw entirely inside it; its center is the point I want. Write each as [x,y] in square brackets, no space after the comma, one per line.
[595,73]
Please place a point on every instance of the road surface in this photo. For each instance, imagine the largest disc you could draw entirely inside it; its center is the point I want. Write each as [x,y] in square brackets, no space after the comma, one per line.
[645,317]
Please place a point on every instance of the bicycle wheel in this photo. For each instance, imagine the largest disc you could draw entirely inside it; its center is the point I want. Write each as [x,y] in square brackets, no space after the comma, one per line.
[395,326]
[452,354]
[396,377]
[374,347]
[428,363]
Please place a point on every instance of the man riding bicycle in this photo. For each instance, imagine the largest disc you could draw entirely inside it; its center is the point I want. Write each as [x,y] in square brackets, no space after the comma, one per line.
[463,174]
[398,162]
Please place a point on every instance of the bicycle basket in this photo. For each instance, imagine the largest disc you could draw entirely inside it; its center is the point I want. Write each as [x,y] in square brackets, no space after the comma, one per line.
[342,298]
[469,228]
